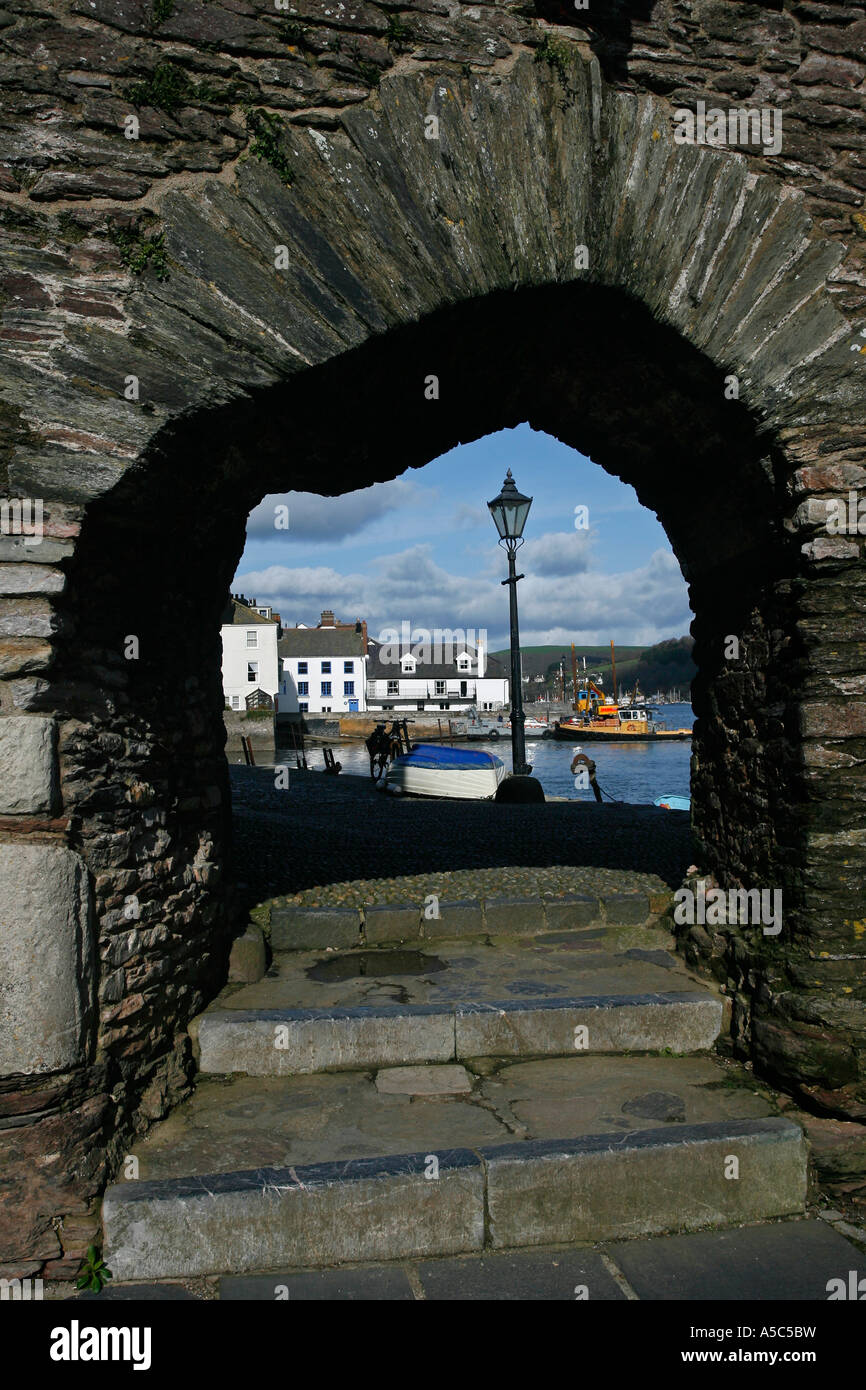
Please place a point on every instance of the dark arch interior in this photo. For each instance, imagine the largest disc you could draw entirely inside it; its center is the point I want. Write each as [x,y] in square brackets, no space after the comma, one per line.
[144,769]
[610,27]
[586,364]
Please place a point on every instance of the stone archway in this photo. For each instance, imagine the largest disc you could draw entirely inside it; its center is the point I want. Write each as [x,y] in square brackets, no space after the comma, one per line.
[347,265]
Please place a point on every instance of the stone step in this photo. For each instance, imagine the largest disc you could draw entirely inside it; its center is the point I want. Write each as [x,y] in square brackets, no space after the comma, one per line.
[283,1042]
[565,992]
[297,927]
[306,1172]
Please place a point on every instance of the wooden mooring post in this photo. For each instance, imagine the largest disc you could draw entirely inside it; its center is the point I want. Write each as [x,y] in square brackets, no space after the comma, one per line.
[298,745]
[330,765]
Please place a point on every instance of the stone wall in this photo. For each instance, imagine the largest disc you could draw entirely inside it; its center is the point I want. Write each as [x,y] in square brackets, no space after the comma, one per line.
[161,373]
[260,731]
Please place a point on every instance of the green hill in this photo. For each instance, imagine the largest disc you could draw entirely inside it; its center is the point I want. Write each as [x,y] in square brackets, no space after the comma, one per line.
[537,661]
[667,664]
[662,667]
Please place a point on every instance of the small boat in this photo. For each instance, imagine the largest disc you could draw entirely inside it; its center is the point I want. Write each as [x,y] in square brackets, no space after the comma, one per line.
[532,727]
[610,724]
[431,770]
[624,726]
[479,726]
[674,803]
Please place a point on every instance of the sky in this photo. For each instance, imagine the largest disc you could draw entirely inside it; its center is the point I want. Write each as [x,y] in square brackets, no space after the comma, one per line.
[423,549]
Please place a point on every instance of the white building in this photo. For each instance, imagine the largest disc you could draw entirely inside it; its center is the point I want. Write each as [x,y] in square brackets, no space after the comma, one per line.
[250,663]
[399,679]
[323,669]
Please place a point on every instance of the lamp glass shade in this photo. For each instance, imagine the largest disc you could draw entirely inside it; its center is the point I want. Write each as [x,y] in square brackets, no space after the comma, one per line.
[510,510]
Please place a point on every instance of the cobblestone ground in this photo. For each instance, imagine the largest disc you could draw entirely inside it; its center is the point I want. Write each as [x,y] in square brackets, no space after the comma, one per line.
[324,837]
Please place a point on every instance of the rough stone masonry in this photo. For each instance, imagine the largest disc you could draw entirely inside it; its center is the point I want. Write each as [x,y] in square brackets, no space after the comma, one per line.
[234,247]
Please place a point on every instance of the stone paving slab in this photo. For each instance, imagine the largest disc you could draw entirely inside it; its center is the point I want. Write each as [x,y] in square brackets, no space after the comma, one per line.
[557,965]
[374,1282]
[313,928]
[789,1261]
[525,1275]
[256,1122]
[138,1293]
[423,1081]
[516,1275]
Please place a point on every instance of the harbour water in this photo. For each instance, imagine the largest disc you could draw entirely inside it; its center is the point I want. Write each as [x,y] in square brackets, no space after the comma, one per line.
[636,772]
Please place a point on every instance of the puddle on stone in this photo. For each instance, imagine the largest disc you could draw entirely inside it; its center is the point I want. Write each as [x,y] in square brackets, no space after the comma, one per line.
[656,1105]
[379,965]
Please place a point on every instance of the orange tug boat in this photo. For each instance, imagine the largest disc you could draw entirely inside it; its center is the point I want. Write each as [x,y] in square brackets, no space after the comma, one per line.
[597,720]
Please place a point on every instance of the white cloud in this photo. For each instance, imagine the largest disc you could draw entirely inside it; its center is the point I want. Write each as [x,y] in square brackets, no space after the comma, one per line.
[560,552]
[643,605]
[329,519]
[465,518]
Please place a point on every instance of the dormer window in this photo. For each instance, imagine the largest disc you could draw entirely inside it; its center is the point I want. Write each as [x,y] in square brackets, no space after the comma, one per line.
[408,664]
[463,663]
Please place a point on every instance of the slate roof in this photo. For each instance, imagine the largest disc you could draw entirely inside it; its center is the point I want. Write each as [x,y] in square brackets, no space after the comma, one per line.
[321,641]
[430,671]
[238,615]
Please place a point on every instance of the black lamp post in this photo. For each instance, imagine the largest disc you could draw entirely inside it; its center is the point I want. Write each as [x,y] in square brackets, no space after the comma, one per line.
[510,510]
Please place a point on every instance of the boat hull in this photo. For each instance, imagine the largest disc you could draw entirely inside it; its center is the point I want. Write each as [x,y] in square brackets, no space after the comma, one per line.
[596,736]
[449,773]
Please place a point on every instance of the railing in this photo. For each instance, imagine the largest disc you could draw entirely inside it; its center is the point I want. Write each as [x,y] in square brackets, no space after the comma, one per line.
[422,690]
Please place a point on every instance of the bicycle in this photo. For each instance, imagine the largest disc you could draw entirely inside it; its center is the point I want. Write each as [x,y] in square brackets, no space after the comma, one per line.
[383,745]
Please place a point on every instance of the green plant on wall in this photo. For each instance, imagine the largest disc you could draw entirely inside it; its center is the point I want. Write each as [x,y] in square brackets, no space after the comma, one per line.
[94,1273]
[266,129]
[398,33]
[370,73]
[557,54]
[162,10]
[291,32]
[138,251]
[168,87]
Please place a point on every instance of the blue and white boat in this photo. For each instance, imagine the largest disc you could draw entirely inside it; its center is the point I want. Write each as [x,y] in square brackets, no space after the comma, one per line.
[674,803]
[431,770]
